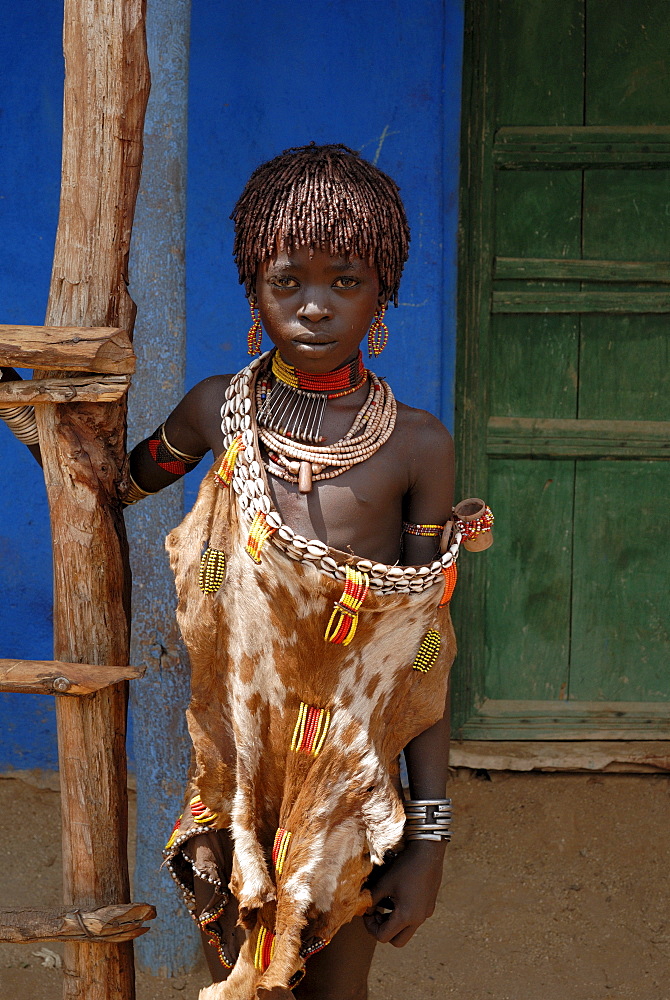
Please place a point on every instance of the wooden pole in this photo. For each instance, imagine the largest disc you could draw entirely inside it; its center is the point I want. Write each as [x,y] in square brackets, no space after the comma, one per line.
[83,449]
[161,743]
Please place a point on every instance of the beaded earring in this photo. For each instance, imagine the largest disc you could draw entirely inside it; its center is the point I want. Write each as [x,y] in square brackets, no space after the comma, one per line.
[378,334]
[255,332]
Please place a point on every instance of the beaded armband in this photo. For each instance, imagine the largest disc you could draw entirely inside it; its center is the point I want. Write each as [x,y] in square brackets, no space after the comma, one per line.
[423,530]
[177,463]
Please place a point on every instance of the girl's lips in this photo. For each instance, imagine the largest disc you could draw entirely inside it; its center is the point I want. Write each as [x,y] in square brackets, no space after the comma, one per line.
[313,340]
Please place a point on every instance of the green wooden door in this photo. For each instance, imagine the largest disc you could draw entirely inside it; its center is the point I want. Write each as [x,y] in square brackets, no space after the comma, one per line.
[564,375]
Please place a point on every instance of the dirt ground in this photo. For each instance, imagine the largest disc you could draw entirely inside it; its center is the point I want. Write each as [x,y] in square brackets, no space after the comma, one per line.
[555,888]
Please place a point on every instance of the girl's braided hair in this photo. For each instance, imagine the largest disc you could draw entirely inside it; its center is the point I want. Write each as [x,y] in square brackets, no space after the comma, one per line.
[325,198]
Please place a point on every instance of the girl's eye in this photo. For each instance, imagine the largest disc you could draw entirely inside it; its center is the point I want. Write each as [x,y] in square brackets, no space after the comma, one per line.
[283,281]
[345,282]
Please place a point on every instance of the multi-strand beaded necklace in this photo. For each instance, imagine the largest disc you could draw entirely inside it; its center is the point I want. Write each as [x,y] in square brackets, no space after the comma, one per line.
[241,469]
[290,413]
[294,404]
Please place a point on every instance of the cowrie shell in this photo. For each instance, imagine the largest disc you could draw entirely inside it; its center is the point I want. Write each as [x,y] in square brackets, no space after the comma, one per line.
[317,548]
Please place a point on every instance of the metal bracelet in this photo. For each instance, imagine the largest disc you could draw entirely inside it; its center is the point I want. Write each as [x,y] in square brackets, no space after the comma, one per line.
[134,493]
[21,422]
[428,819]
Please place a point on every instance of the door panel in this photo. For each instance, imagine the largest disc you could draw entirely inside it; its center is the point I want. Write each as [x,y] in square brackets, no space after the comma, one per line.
[628,78]
[565,376]
[620,620]
[528,586]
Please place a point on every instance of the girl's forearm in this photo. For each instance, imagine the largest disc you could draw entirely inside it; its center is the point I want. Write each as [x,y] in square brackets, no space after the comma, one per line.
[427,758]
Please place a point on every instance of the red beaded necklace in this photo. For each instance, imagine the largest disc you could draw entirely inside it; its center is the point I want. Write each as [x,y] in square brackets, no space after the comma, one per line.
[295,403]
[340,382]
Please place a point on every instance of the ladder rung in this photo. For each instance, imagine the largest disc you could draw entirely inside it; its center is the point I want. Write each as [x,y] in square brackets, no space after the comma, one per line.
[68,348]
[78,389]
[56,677]
[106,924]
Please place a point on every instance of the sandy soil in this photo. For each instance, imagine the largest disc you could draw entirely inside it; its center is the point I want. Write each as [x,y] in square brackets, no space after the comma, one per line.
[555,888]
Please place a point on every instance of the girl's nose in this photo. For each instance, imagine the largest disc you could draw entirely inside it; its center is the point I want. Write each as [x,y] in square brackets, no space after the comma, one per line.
[315,308]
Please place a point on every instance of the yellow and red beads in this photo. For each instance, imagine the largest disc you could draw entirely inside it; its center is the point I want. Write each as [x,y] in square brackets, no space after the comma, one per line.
[428,651]
[212,570]
[259,533]
[344,619]
[280,848]
[450,574]
[224,475]
[201,813]
[340,382]
[423,530]
[265,947]
[174,834]
[310,729]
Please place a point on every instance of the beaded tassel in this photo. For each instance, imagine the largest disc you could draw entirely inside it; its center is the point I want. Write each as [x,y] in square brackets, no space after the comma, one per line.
[201,813]
[428,650]
[259,533]
[280,848]
[265,946]
[344,619]
[212,570]
[310,730]
[450,574]
[224,475]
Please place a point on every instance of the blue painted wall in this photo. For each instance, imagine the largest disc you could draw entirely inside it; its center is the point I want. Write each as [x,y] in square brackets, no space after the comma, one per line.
[31,96]
[383,77]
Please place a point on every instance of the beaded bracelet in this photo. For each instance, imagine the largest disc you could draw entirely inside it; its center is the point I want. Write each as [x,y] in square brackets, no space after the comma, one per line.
[423,530]
[21,422]
[427,819]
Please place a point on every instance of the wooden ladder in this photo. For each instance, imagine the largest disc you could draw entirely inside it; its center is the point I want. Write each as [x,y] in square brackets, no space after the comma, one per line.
[83,356]
[92,758]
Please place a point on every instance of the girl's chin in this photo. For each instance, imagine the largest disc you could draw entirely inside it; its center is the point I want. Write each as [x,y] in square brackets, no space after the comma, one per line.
[328,356]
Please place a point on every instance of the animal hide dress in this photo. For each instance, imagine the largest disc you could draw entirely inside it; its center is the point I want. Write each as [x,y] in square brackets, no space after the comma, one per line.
[311,670]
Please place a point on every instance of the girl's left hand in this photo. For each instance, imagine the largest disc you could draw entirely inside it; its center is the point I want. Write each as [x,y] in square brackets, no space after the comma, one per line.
[411,883]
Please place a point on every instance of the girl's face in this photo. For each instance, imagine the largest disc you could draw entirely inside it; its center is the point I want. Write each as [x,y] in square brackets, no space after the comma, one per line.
[316,309]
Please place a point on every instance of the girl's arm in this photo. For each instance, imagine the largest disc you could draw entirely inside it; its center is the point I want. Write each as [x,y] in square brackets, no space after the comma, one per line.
[413,878]
[191,430]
